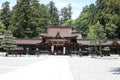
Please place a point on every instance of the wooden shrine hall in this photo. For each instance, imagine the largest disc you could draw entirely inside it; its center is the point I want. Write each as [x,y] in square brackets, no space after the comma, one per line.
[60,41]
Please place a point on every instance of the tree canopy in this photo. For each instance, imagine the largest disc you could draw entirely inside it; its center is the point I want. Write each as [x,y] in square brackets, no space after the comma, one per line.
[8,42]
[28,18]
[106,12]
[5,14]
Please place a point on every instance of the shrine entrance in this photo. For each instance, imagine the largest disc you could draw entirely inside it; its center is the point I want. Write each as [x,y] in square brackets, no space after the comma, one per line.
[59,43]
[58,49]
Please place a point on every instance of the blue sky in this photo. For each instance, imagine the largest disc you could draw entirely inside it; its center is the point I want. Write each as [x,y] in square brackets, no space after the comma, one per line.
[77,5]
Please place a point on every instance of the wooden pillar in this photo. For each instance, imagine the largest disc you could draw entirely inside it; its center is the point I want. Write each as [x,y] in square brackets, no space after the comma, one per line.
[27,49]
[52,49]
[64,50]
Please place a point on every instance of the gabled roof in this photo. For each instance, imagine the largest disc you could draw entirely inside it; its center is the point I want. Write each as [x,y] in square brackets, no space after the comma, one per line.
[59,32]
[63,31]
[58,36]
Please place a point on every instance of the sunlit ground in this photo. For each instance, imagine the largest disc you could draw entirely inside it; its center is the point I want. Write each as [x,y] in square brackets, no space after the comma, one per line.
[82,68]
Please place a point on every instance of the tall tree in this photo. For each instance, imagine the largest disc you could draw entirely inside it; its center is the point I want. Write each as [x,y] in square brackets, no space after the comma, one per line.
[53,12]
[69,11]
[8,42]
[5,14]
[39,17]
[21,19]
[92,36]
[44,17]
[82,23]
[106,12]
[65,14]
[29,18]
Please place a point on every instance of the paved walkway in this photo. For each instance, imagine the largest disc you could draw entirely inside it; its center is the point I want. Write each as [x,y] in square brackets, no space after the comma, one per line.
[47,69]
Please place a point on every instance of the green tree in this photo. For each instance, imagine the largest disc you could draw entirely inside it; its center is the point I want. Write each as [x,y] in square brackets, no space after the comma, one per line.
[53,12]
[6,14]
[68,23]
[2,28]
[92,36]
[69,7]
[100,36]
[110,30]
[91,33]
[39,17]
[8,42]
[82,23]
[44,17]
[29,18]
[65,14]
[106,12]
[21,19]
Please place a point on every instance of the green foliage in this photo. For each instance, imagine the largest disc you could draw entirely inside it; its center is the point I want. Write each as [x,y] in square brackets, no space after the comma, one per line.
[100,33]
[29,18]
[106,12]
[82,23]
[39,18]
[97,34]
[8,42]
[110,30]
[106,49]
[5,14]
[65,14]
[92,36]
[2,28]
[21,19]
[68,23]
[53,12]
[91,33]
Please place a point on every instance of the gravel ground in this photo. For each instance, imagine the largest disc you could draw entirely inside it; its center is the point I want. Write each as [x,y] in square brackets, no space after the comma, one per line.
[87,68]
[83,68]
[9,64]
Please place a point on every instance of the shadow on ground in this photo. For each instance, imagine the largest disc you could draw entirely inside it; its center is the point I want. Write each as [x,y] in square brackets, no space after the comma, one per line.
[115,70]
[107,58]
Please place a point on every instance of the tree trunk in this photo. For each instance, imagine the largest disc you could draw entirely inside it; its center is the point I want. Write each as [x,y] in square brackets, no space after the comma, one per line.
[100,48]
[6,54]
[96,51]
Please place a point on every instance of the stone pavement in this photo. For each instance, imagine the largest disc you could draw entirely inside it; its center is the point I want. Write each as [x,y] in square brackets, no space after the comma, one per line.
[47,69]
